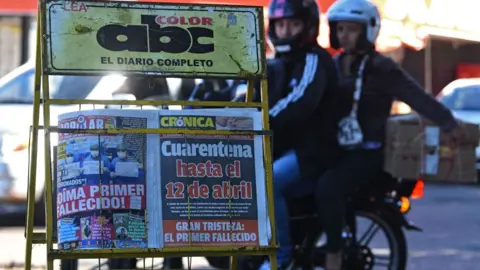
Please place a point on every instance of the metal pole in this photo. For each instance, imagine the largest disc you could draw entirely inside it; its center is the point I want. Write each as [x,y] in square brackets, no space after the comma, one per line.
[33,156]
[428,66]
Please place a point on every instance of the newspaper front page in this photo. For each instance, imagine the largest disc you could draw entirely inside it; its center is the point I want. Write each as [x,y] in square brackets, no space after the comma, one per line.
[101,181]
[212,186]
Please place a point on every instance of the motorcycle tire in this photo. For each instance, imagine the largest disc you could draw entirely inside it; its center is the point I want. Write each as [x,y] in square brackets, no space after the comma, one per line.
[122,264]
[68,264]
[395,236]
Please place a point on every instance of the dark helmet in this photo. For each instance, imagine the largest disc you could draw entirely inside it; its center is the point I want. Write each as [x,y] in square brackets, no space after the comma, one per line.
[307,11]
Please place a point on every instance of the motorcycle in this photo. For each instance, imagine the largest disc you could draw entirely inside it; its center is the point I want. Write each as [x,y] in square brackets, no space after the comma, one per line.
[385,203]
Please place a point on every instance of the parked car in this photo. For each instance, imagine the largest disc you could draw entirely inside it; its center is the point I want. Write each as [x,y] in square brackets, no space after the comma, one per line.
[16,111]
[16,115]
[462,96]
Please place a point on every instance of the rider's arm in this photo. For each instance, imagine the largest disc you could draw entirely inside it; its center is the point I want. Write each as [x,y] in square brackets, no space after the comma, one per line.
[305,96]
[404,88]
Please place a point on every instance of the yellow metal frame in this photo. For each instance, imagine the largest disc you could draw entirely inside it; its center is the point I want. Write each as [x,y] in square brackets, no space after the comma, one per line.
[46,237]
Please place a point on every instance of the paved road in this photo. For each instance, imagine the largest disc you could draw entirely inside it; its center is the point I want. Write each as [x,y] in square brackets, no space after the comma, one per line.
[450,216]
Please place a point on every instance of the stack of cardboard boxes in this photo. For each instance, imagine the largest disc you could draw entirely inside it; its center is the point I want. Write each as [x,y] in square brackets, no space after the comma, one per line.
[417,148]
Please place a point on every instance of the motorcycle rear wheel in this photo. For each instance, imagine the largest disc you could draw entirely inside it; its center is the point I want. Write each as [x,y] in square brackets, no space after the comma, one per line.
[396,239]
[364,258]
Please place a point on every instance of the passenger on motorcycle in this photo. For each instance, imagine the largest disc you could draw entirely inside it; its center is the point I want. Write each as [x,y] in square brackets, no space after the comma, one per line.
[300,76]
[368,84]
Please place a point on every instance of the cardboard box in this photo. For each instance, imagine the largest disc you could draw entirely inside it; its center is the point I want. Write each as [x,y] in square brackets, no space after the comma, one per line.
[446,165]
[417,148]
[460,169]
[409,128]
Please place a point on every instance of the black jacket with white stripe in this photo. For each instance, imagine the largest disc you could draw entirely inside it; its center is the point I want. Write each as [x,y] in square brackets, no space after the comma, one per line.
[301,90]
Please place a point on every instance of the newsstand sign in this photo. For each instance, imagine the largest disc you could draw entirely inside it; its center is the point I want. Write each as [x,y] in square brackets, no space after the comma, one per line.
[92,37]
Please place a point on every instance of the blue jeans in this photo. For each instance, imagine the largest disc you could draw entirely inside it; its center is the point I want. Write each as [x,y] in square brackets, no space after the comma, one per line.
[286,175]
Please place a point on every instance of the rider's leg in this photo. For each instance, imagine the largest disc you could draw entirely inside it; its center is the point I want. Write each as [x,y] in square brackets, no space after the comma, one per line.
[286,171]
[357,168]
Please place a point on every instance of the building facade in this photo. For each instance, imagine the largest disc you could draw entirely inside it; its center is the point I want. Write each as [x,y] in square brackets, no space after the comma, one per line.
[436,41]
[17,20]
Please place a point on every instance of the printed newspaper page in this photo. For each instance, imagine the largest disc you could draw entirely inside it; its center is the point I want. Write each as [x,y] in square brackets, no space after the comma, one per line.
[101,180]
[213,187]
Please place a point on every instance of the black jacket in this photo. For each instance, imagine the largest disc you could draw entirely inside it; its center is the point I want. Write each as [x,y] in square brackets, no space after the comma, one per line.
[301,93]
[384,81]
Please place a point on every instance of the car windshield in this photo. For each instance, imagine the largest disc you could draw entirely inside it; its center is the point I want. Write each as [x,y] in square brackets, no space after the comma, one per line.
[463,98]
[21,88]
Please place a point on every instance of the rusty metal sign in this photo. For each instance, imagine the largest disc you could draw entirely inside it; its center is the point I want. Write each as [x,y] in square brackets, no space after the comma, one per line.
[88,37]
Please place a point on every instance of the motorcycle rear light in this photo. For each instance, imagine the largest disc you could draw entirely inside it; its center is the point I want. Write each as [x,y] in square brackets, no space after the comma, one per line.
[417,192]
[404,205]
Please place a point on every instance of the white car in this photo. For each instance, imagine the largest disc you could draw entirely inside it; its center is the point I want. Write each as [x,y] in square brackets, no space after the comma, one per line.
[16,111]
[462,97]
[16,117]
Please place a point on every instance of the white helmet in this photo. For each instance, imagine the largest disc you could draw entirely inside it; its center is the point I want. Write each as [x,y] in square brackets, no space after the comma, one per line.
[361,11]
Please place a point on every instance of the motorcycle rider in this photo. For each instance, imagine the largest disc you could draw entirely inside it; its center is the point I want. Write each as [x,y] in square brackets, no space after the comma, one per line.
[301,78]
[368,84]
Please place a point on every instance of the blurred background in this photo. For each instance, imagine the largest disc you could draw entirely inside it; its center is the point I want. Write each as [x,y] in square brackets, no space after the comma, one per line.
[436,41]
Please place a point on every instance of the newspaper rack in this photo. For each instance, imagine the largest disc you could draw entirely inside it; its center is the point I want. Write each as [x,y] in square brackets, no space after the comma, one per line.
[56,55]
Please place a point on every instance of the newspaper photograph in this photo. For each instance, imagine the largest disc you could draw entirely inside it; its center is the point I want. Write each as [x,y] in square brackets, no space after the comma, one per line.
[213,190]
[101,181]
